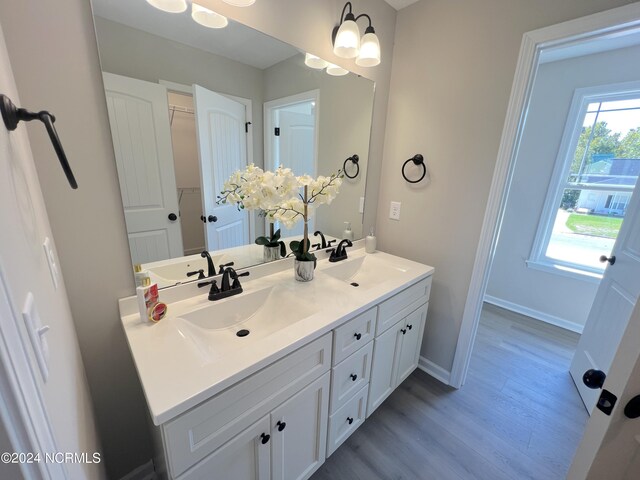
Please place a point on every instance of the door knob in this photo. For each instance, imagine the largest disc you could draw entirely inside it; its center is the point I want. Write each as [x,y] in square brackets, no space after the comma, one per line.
[611,259]
[173,217]
[594,378]
[632,410]
[212,218]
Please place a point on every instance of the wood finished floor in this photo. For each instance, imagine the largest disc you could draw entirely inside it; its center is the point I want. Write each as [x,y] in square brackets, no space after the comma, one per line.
[518,415]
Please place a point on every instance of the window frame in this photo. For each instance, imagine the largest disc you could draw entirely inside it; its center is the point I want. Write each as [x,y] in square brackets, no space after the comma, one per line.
[582,97]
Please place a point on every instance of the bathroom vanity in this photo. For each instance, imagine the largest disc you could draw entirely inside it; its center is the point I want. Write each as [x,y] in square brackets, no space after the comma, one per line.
[319,358]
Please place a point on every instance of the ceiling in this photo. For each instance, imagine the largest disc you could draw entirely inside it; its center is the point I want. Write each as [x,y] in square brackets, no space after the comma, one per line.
[398,4]
[236,41]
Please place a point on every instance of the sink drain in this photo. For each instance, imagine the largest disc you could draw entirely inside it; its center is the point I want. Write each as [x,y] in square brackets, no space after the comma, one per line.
[354,284]
[242,333]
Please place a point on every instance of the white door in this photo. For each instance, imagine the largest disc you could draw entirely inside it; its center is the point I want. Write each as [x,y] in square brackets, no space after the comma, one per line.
[610,447]
[222,146]
[139,118]
[612,306]
[45,406]
[299,447]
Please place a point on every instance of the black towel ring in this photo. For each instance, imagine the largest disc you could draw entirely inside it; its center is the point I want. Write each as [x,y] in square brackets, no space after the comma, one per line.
[417,159]
[12,115]
[353,159]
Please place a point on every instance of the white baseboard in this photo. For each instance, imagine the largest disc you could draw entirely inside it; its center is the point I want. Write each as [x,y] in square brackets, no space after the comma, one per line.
[436,371]
[193,251]
[536,314]
[143,472]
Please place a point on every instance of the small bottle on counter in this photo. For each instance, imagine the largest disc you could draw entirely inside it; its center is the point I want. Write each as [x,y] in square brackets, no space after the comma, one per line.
[138,274]
[149,304]
[370,242]
[348,233]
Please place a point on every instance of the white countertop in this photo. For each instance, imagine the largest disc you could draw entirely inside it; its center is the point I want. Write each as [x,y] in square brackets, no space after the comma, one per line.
[176,375]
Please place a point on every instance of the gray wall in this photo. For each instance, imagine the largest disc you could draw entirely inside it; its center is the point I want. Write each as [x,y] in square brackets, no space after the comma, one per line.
[453,67]
[58,69]
[567,299]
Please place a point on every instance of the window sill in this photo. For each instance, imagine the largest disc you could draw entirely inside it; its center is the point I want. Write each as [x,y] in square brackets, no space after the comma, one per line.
[565,271]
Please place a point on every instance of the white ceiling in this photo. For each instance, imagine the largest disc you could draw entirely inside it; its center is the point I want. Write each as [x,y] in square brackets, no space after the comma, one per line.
[236,41]
[398,4]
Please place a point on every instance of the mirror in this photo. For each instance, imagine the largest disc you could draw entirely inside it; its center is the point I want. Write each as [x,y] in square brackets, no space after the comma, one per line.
[189,105]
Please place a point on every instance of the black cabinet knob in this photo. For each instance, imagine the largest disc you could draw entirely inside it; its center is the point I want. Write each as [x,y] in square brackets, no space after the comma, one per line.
[632,410]
[265,437]
[403,330]
[594,378]
[349,420]
[212,218]
[281,425]
[409,327]
[611,259]
[354,377]
[173,217]
[357,335]
[204,220]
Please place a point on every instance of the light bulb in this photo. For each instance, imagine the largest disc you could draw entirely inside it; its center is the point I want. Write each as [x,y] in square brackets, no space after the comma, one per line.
[171,6]
[207,18]
[335,70]
[314,62]
[240,3]
[347,42]
[369,55]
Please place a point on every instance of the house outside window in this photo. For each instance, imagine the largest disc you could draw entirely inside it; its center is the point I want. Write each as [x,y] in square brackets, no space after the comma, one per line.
[596,171]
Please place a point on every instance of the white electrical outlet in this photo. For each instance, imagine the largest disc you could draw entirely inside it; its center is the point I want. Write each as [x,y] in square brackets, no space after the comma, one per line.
[394,211]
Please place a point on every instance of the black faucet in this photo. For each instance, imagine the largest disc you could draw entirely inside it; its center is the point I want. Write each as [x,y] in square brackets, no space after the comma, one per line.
[324,244]
[211,268]
[214,291]
[230,285]
[223,266]
[340,252]
[200,274]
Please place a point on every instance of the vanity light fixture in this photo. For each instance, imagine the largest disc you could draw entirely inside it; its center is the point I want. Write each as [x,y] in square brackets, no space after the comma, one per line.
[348,44]
[170,6]
[206,17]
[240,3]
[335,70]
[314,62]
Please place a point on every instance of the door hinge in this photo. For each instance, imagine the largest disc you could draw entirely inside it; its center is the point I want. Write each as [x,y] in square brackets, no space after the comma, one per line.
[246,127]
[277,131]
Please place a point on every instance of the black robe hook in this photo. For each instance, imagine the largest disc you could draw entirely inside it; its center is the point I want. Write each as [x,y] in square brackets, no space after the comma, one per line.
[13,115]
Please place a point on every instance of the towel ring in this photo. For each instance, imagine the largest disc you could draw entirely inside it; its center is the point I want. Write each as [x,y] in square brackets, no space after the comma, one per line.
[353,159]
[417,159]
[13,115]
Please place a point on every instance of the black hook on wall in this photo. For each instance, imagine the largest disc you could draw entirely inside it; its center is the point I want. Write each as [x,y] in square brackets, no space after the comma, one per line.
[353,159]
[417,159]
[12,115]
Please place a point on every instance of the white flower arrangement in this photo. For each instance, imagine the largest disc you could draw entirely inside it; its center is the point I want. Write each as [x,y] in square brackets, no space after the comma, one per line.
[282,197]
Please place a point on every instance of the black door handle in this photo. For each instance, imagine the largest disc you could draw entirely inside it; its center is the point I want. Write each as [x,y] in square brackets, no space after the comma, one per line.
[611,259]
[594,378]
[632,410]
[173,217]
[212,218]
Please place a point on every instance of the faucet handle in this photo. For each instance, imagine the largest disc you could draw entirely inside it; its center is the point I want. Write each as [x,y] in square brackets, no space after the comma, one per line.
[330,242]
[213,283]
[200,274]
[222,267]
[316,246]
[236,282]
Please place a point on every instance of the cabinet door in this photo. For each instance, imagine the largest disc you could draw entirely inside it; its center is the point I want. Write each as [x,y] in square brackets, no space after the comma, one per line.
[245,456]
[300,439]
[384,368]
[411,342]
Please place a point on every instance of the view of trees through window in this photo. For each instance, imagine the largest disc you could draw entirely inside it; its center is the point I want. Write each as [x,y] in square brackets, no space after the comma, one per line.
[604,169]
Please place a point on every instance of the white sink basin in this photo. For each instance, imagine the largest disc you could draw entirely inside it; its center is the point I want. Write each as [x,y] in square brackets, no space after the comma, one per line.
[239,321]
[365,272]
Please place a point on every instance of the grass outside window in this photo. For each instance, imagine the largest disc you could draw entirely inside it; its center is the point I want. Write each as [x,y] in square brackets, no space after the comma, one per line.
[595,225]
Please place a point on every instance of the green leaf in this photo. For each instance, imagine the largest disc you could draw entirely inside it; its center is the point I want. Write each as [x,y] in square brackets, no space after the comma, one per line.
[276,236]
[262,241]
[283,248]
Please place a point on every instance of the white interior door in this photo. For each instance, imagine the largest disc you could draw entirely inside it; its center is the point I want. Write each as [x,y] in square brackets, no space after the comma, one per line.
[139,118]
[222,146]
[610,447]
[612,306]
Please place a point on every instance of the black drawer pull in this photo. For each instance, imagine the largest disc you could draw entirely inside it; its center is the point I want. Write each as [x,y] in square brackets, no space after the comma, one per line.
[403,330]
[354,377]
[357,335]
[265,438]
[350,420]
[281,425]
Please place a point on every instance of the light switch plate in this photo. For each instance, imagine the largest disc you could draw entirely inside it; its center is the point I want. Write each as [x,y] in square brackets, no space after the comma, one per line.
[394,211]
[51,260]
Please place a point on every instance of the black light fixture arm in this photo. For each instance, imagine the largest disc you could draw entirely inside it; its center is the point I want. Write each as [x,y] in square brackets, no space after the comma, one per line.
[350,14]
[370,27]
[12,115]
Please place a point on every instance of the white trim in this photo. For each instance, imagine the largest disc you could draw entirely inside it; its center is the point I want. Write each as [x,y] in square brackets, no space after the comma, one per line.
[565,271]
[436,371]
[143,472]
[600,25]
[535,314]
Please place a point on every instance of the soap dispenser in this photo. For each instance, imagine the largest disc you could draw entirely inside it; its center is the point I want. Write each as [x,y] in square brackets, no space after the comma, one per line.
[370,242]
[348,233]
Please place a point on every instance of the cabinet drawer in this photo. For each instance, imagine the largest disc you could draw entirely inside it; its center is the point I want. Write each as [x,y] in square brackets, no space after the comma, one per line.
[192,436]
[394,309]
[350,376]
[354,334]
[345,421]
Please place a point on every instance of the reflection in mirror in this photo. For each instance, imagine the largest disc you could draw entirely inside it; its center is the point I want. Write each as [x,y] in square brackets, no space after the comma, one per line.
[189,105]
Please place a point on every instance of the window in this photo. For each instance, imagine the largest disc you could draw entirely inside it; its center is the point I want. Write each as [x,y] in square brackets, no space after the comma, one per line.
[596,171]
